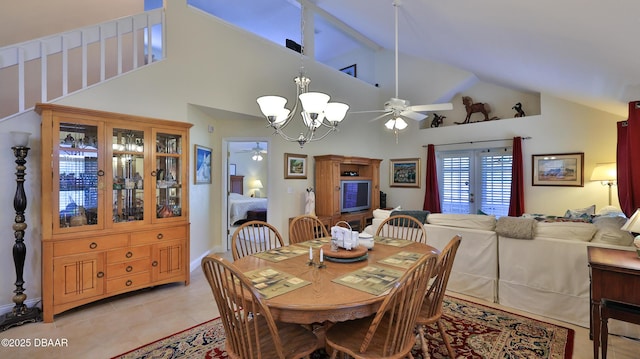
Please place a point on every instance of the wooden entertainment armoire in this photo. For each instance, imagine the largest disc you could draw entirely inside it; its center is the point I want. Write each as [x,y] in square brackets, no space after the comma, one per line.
[329,170]
[115,205]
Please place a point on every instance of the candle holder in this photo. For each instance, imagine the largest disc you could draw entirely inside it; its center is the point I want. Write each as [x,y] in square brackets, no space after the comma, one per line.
[21,313]
[321,265]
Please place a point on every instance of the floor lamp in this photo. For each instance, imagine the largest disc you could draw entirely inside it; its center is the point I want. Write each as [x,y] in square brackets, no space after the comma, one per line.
[20,314]
[606,174]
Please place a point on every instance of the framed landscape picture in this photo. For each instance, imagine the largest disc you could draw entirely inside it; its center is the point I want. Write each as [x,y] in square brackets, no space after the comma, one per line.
[404,172]
[295,166]
[562,169]
[203,164]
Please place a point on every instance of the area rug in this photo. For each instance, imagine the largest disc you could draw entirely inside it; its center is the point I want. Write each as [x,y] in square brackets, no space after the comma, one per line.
[475,331]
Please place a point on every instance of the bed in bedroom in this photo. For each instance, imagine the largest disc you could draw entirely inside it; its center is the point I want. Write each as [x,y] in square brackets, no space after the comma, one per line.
[240,204]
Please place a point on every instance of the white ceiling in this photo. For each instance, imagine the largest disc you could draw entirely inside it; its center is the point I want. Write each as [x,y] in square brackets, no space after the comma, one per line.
[580,50]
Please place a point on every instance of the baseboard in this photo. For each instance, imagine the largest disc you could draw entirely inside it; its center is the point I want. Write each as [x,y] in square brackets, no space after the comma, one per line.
[195,264]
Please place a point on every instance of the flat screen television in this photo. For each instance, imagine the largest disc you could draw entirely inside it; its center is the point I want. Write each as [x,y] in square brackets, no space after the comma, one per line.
[355,195]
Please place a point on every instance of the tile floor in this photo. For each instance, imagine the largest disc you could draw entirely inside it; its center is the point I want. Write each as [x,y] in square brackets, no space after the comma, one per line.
[117,325]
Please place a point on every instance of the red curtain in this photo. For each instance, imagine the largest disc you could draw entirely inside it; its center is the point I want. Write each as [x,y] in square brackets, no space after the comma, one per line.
[432,194]
[628,164]
[516,203]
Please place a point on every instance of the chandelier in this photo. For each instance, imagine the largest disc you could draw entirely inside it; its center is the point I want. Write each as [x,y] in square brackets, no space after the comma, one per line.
[319,116]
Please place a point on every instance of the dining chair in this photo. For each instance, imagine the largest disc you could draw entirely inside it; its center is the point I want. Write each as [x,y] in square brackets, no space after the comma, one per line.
[254,237]
[402,226]
[305,227]
[390,332]
[250,330]
[431,311]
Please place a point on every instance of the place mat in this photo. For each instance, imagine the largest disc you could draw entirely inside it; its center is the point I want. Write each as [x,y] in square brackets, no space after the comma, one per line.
[271,283]
[281,253]
[358,251]
[402,259]
[315,243]
[392,241]
[371,279]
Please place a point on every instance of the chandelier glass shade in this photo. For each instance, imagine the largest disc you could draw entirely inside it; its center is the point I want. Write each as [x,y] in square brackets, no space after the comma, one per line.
[316,113]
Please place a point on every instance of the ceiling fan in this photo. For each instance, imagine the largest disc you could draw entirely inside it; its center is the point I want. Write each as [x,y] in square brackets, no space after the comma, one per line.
[397,108]
[257,151]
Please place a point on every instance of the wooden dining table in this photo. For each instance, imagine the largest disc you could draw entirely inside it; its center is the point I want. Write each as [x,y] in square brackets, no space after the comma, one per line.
[322,299]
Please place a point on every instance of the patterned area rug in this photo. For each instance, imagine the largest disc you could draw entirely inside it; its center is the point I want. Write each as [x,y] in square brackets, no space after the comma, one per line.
[475,331]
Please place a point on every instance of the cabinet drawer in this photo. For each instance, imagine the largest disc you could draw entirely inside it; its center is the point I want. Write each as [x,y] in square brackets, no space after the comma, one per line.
[94,244]
[153,236]
[128,268]
[128,282]
[128,254]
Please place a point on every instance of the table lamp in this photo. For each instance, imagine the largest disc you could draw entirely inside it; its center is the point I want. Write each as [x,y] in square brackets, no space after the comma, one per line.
[633,225]
[606,173]
[257,186]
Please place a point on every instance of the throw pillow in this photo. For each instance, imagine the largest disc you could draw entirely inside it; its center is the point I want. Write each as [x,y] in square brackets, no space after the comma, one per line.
[421,216]
[516,227]
[583,213]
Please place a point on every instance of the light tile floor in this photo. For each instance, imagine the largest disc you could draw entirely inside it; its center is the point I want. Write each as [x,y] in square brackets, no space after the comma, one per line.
[117,325]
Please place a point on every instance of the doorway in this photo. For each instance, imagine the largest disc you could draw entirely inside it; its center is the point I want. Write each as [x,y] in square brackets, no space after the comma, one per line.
[247,182]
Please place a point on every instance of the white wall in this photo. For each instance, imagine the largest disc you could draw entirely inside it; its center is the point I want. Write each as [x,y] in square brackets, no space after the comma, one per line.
[212,76]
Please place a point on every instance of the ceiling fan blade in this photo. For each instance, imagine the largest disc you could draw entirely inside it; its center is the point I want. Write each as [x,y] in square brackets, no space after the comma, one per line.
[432,107]
[413,115]
[381,116]
[371,111]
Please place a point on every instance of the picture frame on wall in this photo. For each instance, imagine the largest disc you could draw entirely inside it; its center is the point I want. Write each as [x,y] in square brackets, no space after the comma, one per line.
[202,168]
[404,172]
[559,169]
[351,70]
[295,166]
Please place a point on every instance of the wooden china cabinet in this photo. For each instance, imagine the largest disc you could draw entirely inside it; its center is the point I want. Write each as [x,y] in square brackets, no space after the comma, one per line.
[115,205]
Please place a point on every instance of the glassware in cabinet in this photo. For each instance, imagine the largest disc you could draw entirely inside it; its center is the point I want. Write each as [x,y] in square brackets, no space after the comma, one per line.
[169,175]
[127,172]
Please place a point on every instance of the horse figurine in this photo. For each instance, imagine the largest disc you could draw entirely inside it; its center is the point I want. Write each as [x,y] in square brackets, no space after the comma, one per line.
[437,120]
[471,107]
[519,110]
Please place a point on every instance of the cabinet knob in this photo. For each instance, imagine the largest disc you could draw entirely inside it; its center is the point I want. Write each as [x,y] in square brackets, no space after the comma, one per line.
[153,173]
[100,274]
[154,264]
[93,245]
[129,283]
[100,173]
[160,236]
[129,268]
[129,254]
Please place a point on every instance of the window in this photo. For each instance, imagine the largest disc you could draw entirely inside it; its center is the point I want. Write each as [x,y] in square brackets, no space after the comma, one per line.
[473,181]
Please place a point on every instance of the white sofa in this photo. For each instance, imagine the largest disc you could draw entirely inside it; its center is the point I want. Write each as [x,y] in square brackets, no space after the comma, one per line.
[547,274]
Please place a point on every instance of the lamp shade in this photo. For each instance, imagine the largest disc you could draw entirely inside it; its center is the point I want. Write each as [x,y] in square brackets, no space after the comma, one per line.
[257,184]
[604,172]
[20,138]
[271,106]
[335,111]
[633,223]
[314,102]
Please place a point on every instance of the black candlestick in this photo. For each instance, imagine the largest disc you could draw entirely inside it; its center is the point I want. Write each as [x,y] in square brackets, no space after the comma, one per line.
[20,314]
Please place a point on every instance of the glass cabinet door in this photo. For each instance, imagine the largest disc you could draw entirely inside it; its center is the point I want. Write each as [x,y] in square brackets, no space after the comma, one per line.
[127,170]
[169,173]
[80,176]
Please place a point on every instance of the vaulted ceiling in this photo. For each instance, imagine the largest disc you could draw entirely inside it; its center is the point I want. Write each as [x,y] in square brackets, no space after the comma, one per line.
[580,50]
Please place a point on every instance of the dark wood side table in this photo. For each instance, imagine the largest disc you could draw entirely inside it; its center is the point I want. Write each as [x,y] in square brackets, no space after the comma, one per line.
[615,276]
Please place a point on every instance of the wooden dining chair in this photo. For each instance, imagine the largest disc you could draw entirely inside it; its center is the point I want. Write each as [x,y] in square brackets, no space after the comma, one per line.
[431,311]
[390,332]
[250,329]
[254,237]
[402,226]
[306,227]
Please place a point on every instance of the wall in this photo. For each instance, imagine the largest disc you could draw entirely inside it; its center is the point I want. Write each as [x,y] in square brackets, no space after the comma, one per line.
[209,80]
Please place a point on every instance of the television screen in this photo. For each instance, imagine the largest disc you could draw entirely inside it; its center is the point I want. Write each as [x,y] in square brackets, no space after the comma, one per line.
[355,195]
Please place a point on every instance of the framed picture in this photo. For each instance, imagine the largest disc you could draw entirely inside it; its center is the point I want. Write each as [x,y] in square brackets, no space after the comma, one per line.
[232,169]
[295,166]
[562,169]
[203,164]
[405,172]
[350,70]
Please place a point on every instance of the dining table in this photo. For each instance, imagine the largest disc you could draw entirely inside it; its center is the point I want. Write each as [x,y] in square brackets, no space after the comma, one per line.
[299,288]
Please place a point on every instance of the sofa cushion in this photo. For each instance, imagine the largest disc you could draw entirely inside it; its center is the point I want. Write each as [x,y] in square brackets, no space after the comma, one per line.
[473,221]
[516,227]
[384,213]
[577,231]
[609,231]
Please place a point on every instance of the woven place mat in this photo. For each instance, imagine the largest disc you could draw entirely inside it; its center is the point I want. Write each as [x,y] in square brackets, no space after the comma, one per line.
[315,243]
[271,283]
[392,241]
[281,253]
[402,259]
[356,252]
[371,279]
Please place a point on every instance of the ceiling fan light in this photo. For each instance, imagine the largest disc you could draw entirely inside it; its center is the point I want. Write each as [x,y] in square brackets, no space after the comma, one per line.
[336,111]
[401,124]
[257,157]
[314,102]
[271,106]
[390,124]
